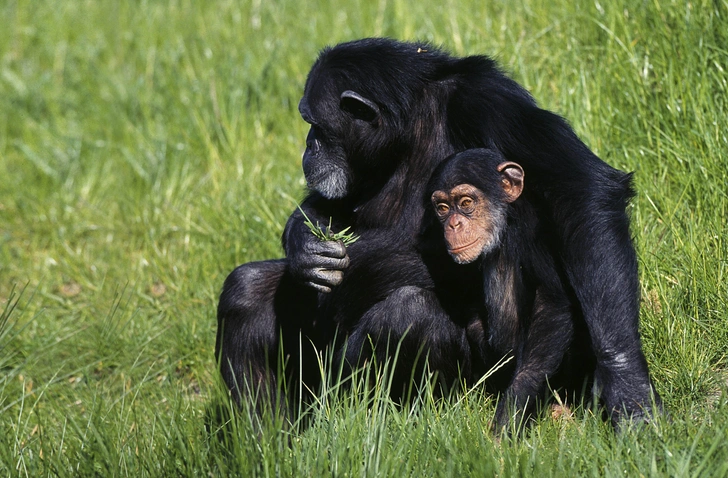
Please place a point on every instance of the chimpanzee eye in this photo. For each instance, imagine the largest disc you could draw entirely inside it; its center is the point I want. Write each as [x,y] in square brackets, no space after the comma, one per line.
[466,204]
[442,208]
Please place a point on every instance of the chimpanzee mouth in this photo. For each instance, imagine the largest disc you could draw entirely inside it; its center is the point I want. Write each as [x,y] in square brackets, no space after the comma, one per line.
[459,249]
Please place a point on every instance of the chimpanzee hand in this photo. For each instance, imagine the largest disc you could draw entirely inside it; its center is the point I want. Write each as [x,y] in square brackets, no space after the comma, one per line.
[318,264]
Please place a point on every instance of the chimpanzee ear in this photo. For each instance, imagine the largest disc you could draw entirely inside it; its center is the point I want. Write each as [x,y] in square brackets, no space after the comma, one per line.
[511,179]
[359,107]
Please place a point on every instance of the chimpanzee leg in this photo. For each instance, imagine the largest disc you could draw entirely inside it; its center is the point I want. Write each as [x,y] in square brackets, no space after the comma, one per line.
[411,324]
[261,305]
[602,267]
[549,335]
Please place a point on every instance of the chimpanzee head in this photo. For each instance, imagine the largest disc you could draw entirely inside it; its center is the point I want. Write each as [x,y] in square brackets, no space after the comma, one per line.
[361,100]
[334,132]
[471,191]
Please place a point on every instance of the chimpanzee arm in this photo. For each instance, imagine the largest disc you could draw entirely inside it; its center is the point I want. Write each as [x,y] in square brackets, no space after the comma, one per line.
[548,337]
[609,297]
[316,263]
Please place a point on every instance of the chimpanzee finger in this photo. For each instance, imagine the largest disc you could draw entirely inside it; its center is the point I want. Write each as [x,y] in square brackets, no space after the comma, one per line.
[315,261]
[335,249]
[324,278]
[319,288]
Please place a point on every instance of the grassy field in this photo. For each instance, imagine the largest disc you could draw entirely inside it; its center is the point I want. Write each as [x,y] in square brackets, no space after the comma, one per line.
[147,148]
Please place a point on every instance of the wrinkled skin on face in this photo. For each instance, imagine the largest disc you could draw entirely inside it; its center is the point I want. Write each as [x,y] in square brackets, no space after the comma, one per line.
[472,224]
[472,221]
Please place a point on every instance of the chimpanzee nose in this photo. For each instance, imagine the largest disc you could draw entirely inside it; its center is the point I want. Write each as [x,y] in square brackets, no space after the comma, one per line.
[454,223]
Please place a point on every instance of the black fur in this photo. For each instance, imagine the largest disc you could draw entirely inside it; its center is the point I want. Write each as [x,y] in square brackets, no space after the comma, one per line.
[384,114]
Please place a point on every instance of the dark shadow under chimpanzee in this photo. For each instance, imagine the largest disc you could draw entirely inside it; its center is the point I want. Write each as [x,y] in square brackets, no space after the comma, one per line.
[383,115]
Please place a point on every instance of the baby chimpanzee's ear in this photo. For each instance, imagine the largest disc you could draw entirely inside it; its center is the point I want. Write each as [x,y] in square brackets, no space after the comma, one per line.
[511,179]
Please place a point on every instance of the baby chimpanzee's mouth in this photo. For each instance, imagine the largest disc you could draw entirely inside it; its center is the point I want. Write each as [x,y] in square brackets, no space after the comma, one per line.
[459,249]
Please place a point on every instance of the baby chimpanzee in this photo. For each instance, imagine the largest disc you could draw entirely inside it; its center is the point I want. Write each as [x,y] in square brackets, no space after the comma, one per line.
[528,309]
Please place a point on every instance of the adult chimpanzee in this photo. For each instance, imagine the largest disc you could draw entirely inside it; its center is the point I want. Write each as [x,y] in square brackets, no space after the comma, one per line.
[383,115]
[527,309]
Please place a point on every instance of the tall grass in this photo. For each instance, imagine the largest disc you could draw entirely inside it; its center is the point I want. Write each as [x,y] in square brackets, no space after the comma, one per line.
[146,148]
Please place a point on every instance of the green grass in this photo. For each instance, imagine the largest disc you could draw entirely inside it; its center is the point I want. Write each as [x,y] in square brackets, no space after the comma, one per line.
[147,148]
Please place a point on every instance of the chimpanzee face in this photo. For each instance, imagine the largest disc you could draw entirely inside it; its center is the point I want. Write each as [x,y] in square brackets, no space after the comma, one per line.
[473,218]
[339,128]
[324,164]
[472,223]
